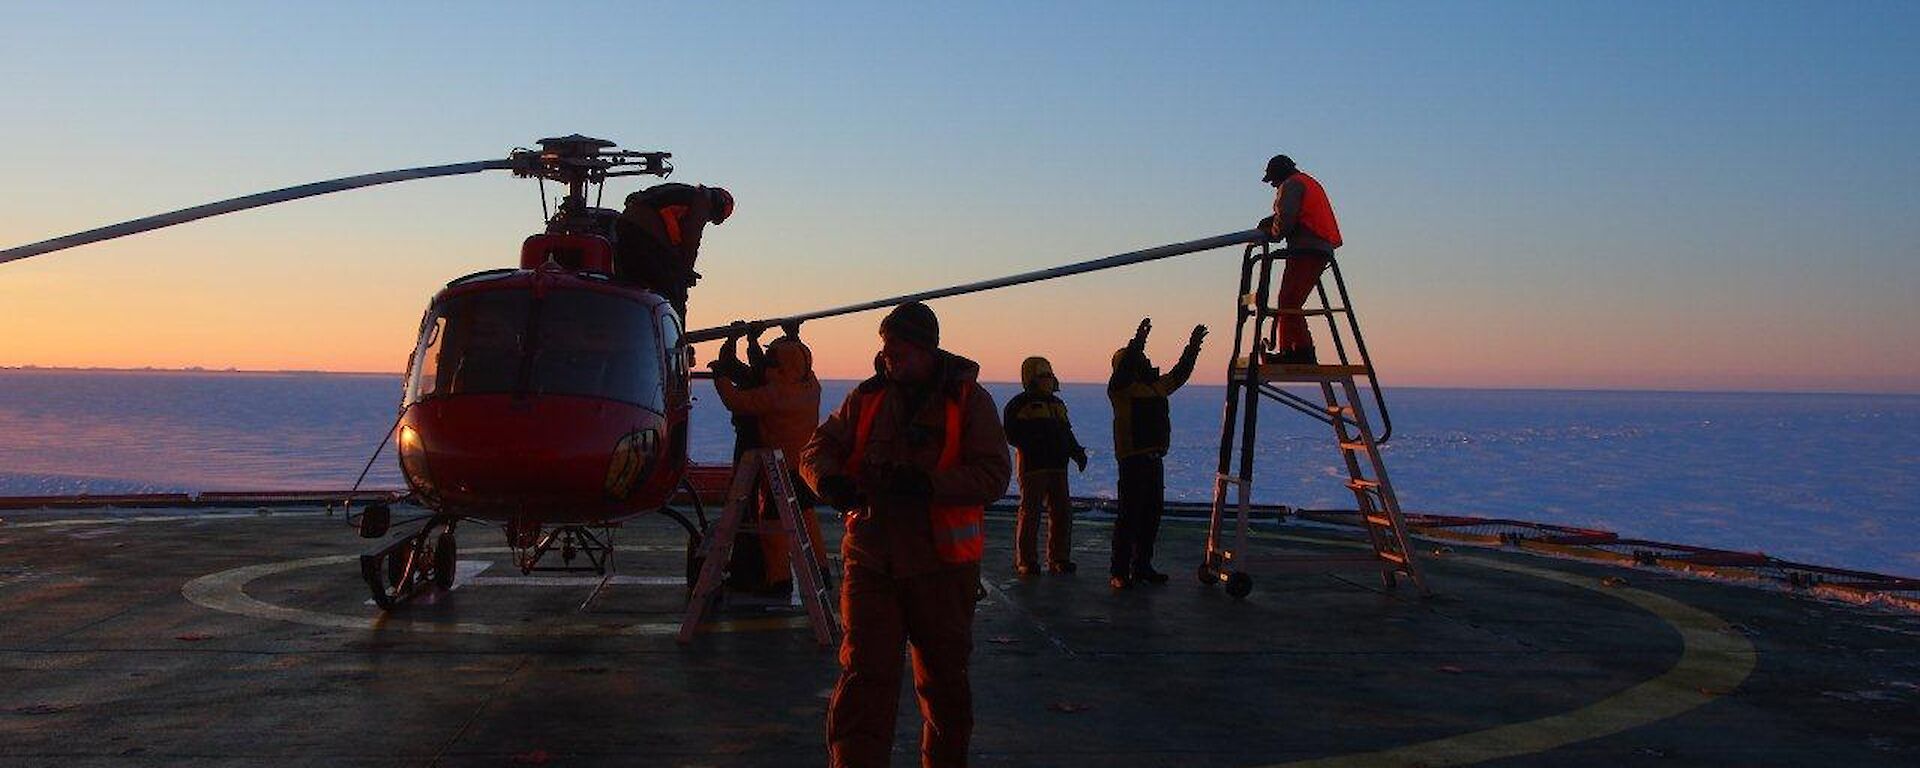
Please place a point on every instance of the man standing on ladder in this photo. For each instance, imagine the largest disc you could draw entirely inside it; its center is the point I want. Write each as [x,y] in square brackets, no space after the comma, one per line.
[1303,217]
[1142,430]
[913,455]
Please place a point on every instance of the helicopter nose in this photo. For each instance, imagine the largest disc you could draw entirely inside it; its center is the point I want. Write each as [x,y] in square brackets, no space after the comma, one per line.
[492,453]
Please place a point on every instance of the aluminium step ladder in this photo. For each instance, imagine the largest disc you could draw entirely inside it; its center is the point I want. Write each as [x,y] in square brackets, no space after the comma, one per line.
[758,469]
[1252,378]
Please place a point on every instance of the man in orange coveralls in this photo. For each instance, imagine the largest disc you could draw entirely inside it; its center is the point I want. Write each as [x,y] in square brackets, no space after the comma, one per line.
[786,409]
[912,456]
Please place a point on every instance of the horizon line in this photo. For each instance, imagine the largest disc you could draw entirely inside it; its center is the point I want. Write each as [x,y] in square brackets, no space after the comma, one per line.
[1534,388]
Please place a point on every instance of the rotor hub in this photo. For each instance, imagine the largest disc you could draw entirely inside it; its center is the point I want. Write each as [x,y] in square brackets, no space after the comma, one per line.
[577,160]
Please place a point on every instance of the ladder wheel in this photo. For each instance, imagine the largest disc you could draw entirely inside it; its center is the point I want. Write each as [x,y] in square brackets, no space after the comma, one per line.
[1207,575]
[444,553]
[1239,584]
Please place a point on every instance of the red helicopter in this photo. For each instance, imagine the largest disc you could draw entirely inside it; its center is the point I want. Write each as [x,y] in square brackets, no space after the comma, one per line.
[550,399]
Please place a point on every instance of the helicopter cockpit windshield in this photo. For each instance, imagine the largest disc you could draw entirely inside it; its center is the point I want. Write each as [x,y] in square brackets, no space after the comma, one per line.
[570,342]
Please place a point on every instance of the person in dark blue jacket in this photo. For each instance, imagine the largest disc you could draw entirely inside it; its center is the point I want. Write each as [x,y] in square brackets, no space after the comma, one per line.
[1043,441]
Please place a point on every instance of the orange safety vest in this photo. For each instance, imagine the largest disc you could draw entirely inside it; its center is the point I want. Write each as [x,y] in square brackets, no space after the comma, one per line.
[1316,212]
[959,530]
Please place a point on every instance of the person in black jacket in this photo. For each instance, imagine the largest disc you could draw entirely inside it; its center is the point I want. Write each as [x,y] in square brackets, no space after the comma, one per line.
[657,237]
[1037,426]
[1141,433]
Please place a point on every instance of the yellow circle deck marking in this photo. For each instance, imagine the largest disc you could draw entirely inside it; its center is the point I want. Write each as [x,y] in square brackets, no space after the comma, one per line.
[1714,660]
[226,591]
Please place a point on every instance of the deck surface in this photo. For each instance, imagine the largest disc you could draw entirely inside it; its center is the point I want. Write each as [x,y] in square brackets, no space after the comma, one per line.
[246,638]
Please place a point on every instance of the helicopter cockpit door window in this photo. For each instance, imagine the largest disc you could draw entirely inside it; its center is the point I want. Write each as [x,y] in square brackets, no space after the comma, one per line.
[423,371]
[675,355]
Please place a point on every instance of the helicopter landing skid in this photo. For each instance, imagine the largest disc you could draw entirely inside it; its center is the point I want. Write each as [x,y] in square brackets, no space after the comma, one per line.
[398,571]
[571,541]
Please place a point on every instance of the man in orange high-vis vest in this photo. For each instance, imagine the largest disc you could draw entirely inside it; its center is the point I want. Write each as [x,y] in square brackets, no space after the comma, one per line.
[1303,217]
[912,457]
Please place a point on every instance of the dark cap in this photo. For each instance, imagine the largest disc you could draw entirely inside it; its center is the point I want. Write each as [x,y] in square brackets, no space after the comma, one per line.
[914,322]
[1279,167]
[720,203]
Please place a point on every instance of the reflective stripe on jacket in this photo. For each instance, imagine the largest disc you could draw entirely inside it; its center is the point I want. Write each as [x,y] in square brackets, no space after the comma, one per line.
[959,530]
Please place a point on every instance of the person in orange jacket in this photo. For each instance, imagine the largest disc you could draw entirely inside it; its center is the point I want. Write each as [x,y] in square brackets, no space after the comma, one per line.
[913,455]
[785,410]
[1303,217]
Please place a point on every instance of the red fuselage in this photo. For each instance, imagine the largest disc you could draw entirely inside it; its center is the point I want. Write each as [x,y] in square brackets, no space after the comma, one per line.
[545,397]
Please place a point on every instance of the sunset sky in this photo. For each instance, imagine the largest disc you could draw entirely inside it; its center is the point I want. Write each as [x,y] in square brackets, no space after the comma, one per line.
[1600,195]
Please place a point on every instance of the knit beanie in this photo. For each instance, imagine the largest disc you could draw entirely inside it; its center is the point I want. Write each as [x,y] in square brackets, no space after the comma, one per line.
[914,322]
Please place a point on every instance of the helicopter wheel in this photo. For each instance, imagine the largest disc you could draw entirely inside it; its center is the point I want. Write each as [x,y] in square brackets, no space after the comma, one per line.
[1239,584]
[444,553]
[1207,575]
[396,568]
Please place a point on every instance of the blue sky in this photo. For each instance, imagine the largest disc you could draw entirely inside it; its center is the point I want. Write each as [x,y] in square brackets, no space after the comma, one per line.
[1652,195]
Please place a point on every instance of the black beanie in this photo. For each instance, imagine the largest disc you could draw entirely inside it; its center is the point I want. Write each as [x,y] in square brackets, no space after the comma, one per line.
[1278,168]
[913,321]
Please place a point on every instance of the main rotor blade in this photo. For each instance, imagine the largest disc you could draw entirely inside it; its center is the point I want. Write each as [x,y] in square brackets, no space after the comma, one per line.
[1066,270]
[243,203]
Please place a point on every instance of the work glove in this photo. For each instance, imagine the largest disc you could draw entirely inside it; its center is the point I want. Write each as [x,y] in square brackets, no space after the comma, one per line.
[1199,334]
[906,480]
[1080,458]
[1265,227]
[840,493]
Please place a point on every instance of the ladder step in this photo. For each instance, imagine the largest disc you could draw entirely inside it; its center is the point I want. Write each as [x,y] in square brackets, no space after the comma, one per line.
[1378,521]
[1310,312]
[1277,372]
[1340,410]
[1363,484]
[1392,557]
[1356,445]
[1250,300]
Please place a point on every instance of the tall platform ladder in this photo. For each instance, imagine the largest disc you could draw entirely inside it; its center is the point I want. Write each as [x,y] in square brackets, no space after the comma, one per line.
[762,468]
[1251,378]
